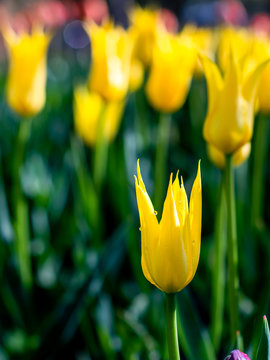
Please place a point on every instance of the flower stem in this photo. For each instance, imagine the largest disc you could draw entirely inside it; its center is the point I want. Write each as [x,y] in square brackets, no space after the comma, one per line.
[219,268]
[172,337]
[163,137]
[259,162]
[233,281]
[21,222]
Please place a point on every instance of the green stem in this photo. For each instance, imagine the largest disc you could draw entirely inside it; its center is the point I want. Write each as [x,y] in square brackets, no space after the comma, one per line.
[162,146]
[87,191]
[233,281]
[219,269]
[258,170]
[101,152]
[21,223]
[172,337]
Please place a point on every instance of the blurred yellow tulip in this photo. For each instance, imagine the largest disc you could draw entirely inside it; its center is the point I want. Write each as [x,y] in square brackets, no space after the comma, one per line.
[230,116]
[261,51]
[205,40]
[171,248]
[219,159]
[87,108]
[174,59]
[111,58]
[146,25]
[238,40]
[26,82]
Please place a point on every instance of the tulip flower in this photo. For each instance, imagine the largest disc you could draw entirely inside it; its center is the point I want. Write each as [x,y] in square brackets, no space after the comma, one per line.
[174,59]
[238,40]
[231,100]
[146,24]
[87,110]
[111,58]
[237,355]
[171,248]
[26,82]
[205,40]
[239,156]
[261,51]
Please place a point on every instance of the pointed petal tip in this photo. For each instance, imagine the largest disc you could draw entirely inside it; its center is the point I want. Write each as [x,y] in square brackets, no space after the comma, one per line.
[171,177]
[199,167]
[182,181]
[141,183]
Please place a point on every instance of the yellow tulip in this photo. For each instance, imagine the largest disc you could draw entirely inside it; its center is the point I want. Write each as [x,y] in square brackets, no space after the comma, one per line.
[111,57]
[205,40]
[171,248]
[26,82]
[146,24]
[230,116]
[238,40]
[261,51]
[218,158]
[171,72]
[87,107]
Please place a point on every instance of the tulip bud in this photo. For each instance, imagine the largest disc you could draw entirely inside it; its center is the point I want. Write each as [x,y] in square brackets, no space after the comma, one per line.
[237,355]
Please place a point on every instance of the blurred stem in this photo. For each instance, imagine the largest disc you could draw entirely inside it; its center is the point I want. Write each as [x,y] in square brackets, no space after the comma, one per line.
[258,170]
[219,268]
[88,195]
[162,146]
[101,152]
[21,223]
[141,118]
[233,281]
[172,337]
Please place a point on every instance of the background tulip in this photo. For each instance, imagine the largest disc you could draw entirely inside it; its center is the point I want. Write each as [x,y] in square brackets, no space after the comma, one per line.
[87,110]
[174,59]
[26,83]
[111,59]
[231,100]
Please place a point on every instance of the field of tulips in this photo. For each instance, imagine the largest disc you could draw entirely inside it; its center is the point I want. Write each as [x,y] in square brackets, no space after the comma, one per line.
[134,185]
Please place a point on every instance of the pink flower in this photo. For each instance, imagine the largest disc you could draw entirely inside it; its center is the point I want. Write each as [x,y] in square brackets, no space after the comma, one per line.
[237,355]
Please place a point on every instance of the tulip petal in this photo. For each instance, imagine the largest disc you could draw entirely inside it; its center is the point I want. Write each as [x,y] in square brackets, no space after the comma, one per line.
[141,183]
[252,82]
[180,198]
[149,230]
[231,89]
[195,213]
[170,263]
[214,81]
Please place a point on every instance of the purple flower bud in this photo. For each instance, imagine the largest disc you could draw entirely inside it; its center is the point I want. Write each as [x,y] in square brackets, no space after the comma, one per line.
[237,355]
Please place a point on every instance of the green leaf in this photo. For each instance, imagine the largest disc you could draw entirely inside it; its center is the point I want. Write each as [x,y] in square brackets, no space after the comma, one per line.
[263,352]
